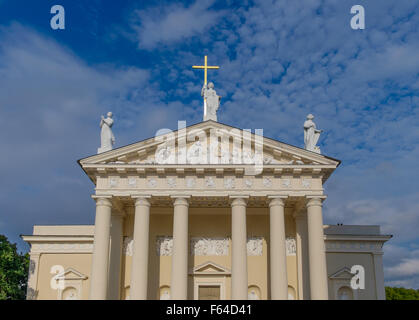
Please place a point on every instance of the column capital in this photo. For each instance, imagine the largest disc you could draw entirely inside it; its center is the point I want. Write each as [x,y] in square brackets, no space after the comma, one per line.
[239,201]
[315,200]
[181,200]
[103,200]
[277,200]
[142,200]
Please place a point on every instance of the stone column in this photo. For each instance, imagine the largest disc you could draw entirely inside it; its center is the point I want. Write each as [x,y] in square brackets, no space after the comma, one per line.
[139,267]
[302,255]
[239,250]
[114,285]
[278,254]
[100,258]
[179,289]
[317,252]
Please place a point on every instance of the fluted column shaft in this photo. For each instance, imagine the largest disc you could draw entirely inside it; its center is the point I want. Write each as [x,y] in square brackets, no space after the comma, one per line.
[100,259]
[239,250]
[139,267]
[179,289]
[317,252]
[278,255]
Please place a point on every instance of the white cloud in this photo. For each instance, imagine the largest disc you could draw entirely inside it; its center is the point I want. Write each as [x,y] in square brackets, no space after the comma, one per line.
[173,23]
[408,267]
[401,266]
[50,107]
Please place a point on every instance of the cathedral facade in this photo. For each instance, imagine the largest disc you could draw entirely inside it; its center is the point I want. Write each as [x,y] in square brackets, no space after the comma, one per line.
[207,212]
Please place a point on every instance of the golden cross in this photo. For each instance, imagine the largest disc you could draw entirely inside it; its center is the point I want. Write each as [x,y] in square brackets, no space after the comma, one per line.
[205,67]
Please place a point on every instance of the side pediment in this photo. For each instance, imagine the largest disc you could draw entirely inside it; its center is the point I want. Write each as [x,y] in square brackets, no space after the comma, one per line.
[71,274]
[210,268]
[342,274]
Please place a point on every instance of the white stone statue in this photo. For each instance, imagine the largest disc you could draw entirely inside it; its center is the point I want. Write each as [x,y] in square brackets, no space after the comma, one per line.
[107,138]
[311,135]
[212,102]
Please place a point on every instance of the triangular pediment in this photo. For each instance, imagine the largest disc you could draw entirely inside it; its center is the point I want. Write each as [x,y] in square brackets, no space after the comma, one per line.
[234,146]
[342,274]
[210,268]
[71,274]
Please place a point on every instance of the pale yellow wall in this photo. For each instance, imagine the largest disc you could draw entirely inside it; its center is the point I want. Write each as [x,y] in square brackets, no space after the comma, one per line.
[81,262]
[257,266]
[211,223]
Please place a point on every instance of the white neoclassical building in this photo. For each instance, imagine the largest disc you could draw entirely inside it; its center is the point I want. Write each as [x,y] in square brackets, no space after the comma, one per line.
[244,223]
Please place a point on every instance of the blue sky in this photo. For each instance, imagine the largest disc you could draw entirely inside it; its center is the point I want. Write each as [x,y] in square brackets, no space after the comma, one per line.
[280,60]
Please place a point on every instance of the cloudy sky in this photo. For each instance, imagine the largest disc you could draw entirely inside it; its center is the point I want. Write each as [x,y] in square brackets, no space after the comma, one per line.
[280,60]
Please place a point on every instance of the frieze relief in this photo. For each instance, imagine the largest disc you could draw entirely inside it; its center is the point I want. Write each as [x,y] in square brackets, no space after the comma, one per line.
[229,183]
[255,246]
[267,182]
[171,182]
[152,183]
[210,246]
[113,182]
[201,246]
[132,182]
[190,182]
[210,182]
[164,245]
[291,246]
[127,246]
[306,183]
[286,183]
[248,183]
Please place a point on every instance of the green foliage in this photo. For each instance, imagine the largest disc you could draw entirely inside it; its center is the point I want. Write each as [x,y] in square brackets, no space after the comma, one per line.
[13,271]
[401,294]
